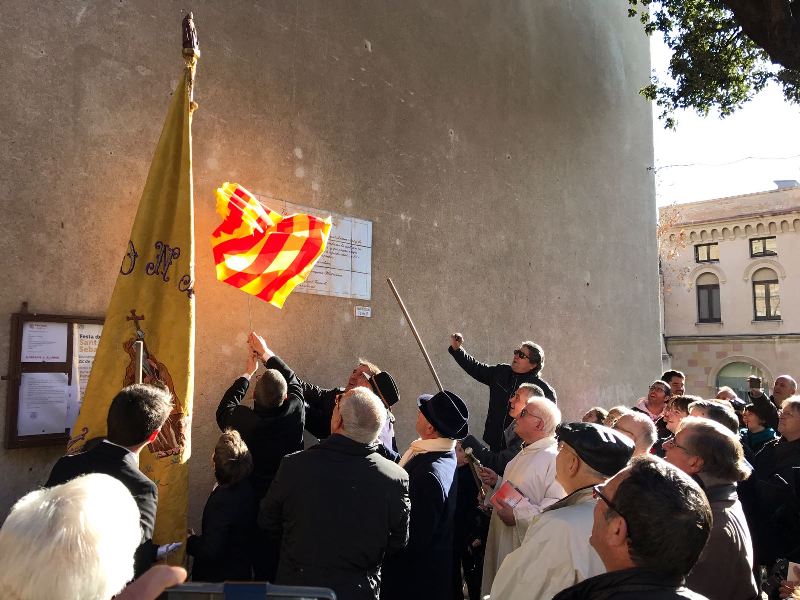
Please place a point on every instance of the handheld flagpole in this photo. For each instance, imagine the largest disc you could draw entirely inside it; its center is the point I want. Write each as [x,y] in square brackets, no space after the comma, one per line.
[138,347]
[416,335]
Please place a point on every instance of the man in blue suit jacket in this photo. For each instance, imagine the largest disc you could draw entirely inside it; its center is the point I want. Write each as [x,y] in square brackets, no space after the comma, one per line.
[424,569]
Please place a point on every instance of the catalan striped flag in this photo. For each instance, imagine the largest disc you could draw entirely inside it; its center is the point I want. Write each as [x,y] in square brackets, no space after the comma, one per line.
[262,252]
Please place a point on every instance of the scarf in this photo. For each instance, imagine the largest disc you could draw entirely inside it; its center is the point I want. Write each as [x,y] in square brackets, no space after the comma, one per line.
[420,446]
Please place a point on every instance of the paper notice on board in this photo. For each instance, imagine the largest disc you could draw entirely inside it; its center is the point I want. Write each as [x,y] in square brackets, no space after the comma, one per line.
[85,338]
[42,403]
[44,342]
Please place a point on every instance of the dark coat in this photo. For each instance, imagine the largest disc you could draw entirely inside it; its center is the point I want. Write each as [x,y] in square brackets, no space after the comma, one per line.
[270,433]
[122,464]
[319,404]
[496,461]
[502,382]
[629,584]
[775,512]
[728,550]
[224,550]
[338,509]
[424,569]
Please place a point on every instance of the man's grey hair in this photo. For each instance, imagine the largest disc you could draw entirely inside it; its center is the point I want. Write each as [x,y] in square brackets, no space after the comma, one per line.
[547,411]
[532,389]
[363,415]
[641,427]
[74,540]
[720,449]
[719,412]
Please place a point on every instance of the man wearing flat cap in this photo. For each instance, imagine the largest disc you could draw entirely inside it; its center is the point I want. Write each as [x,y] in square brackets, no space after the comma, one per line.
[555,553]
[424,568]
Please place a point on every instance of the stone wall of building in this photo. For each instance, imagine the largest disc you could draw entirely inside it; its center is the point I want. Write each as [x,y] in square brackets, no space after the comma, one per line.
[500,150]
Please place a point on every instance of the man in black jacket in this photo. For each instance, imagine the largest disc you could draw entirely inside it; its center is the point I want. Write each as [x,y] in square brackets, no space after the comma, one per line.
[339,507]
[319,403]
[775,512]
[273,428]
[633,511]
[134,419]
[424,569]
[503,380]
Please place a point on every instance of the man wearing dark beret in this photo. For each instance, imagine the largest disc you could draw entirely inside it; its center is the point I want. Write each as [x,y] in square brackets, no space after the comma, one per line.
[423,570]
[555,553]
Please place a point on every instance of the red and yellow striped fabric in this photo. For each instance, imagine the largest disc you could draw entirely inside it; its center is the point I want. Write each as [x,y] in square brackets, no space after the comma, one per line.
[261,252]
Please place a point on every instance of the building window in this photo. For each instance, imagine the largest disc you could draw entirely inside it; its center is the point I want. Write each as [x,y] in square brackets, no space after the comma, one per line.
[706,252]
[766,297]
[763,246]
[708,298]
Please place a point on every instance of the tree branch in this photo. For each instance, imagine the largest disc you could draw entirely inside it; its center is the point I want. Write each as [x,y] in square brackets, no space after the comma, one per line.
[771,25]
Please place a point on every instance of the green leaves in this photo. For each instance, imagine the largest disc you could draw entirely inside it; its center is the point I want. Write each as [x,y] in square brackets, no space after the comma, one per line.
[714,64]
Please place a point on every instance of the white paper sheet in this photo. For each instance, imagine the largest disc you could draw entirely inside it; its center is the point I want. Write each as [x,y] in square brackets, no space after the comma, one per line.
[86,338]
[42,403]
[44,342]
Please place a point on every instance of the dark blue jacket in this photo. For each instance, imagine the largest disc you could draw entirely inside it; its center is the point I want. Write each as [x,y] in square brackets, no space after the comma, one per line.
[423,569]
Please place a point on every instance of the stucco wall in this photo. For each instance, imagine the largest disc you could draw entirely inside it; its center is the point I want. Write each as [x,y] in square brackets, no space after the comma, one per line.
[499,148]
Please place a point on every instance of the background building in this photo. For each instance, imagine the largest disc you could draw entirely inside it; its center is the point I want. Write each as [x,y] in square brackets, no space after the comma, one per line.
[731,278]
[500,150]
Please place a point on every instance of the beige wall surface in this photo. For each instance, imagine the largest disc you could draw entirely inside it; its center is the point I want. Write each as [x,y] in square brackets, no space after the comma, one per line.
[702,360]
[500,150]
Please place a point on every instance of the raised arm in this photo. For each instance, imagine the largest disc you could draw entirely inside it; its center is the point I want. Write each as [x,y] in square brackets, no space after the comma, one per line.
[475,369]
[235,394]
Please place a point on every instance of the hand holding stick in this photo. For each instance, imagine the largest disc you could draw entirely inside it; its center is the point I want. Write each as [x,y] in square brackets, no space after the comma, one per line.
[476,467]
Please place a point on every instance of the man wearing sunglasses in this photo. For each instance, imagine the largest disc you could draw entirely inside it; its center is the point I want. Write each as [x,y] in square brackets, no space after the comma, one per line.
[587,455]
[503,380]
[650,524]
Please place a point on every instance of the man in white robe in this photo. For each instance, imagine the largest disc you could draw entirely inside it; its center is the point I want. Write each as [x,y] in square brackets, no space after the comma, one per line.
[533,472]
[555,553]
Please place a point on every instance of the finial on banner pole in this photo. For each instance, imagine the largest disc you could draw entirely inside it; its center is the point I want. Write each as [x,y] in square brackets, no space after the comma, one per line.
[416,335]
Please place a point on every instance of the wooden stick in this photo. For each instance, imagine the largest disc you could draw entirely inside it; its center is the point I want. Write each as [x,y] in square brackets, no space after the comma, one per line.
[138,347]
[416,335]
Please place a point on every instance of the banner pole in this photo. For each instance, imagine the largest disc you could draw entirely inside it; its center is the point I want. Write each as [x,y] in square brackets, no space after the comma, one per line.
[416,335]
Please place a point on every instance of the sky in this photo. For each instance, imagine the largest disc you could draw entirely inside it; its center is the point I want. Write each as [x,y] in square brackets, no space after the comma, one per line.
[709,157]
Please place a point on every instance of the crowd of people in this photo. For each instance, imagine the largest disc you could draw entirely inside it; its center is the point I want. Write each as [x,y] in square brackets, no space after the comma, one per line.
[667,496]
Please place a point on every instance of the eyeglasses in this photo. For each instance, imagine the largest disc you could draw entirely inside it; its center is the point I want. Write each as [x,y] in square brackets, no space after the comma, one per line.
[525,413]
[597,492]
[521,354]
[659,387]
[786,413]
[671,443]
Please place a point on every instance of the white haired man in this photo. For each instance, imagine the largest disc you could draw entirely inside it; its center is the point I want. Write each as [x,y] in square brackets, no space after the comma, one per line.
[339,507]
[588,454]
[533,473]
[76,540]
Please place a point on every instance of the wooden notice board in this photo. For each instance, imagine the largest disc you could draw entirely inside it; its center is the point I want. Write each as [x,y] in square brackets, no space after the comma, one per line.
[48,366]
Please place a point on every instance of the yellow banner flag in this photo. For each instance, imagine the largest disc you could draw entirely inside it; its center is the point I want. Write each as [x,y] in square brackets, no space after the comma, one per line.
[153,301]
